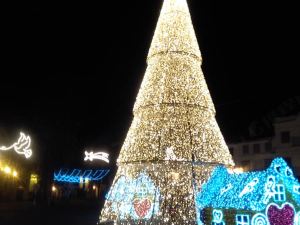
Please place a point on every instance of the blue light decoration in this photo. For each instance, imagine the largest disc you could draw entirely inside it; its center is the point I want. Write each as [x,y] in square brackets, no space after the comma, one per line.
[266,197]
[297,189]
[79,176]
[283,215]
[259,219]
[297,219]
[242,219]
[217,217]
[134,198]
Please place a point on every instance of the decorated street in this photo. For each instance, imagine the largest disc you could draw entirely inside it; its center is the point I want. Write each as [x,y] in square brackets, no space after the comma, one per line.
[158,112]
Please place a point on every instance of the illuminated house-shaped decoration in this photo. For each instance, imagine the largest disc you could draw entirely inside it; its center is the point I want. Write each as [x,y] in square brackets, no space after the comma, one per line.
[270,197]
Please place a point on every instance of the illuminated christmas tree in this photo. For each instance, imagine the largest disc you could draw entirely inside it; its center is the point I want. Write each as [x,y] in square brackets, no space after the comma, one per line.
[174,141]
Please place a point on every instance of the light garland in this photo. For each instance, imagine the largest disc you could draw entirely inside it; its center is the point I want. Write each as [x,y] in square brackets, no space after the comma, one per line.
[22,146]
[174,137]
[79,176]
[91,156]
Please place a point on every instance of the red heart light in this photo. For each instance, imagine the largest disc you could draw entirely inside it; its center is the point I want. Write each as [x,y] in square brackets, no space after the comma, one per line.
[142,207]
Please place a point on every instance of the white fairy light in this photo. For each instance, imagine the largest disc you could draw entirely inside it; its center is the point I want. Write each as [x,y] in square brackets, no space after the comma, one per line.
[22,146]
[97,155]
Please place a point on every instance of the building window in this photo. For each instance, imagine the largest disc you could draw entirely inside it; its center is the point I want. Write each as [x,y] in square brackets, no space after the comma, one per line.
[296,141]
[285,137]
[279,193]
[245,149]
[256,148]
[268,147]
[242,220]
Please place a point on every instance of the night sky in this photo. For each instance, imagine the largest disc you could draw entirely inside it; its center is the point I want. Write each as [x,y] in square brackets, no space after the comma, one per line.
[70,72]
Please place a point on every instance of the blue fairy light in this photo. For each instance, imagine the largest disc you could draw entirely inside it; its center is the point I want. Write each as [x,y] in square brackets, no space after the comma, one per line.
[79,176]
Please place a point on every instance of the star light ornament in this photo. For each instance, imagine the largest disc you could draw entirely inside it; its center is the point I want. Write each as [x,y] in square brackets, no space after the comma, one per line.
[91,156]
[22,146]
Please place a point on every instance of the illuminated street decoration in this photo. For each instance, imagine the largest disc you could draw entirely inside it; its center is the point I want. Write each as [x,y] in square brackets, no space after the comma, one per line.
[279,194]
[134,198]
[225,189]
[170,155]
[249,187]
[217,217]
[242,219]
[259,219]
[284,215]
[79,176]
[297,219]
[268,197]
[98,155]
[174,134]
[22,146]
[297,189]
[269,189]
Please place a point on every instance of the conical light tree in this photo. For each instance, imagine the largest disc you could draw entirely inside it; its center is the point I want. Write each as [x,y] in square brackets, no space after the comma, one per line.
[174,141]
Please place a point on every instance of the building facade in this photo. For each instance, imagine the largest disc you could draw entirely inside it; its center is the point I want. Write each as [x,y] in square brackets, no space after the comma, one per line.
[257,154]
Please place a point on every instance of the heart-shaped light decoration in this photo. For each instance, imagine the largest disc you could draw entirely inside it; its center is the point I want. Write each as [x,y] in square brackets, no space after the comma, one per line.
[281,216]
[142,207]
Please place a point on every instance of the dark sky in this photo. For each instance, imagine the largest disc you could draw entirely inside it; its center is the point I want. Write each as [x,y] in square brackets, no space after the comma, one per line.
[70,71]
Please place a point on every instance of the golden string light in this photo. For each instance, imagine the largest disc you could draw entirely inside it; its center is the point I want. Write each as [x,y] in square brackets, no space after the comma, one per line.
[174,137]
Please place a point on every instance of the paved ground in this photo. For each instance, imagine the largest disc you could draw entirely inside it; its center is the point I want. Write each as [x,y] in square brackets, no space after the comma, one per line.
[75,213]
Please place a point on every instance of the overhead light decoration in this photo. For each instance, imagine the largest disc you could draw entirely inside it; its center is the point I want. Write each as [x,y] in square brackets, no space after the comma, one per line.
[79,176]
[91,156]
[22,146]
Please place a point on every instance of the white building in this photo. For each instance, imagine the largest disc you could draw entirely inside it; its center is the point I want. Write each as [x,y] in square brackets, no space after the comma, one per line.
[257,154]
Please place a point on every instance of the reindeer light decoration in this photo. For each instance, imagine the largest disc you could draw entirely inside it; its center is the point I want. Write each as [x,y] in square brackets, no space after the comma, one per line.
[22,146]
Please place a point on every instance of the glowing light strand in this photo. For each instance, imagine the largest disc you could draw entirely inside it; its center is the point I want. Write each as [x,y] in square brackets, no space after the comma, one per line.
[79,176]
[22,146]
